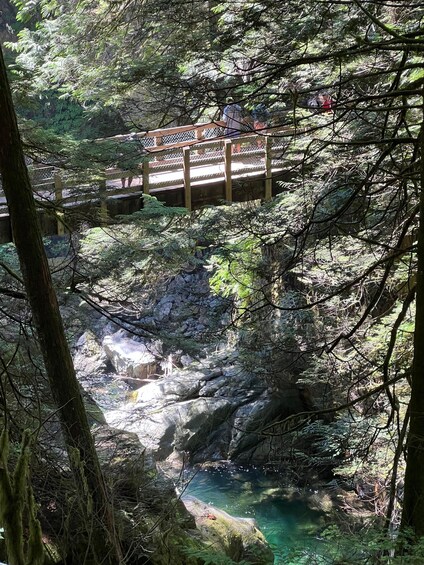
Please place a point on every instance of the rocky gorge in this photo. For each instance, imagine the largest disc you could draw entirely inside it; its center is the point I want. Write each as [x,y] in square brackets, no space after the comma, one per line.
[187,404]
[207,406]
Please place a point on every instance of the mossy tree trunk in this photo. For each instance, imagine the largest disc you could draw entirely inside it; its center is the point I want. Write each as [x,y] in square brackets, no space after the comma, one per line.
[92,491]
[413,505]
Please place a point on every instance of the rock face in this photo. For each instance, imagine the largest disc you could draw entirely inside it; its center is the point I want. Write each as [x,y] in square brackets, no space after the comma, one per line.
[195,401]
[209,411]
[212,408]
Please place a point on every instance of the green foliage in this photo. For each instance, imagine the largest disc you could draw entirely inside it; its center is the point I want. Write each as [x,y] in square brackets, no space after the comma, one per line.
[131,263]
[211,557]
[8,255]
[369,546]
[143,245]
[154,214]
[233,269]
[17,505]
[63,116]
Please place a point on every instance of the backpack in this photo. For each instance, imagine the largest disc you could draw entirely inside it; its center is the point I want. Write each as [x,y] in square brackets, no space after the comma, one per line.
[260,113]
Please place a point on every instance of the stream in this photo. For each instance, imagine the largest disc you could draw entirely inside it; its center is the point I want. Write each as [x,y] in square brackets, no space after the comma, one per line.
[290,526]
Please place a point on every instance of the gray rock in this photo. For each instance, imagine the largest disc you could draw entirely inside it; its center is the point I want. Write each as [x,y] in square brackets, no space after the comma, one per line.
[163,309]
[89,358]
[237,538]
[248,423]
[130,358]
[180,426]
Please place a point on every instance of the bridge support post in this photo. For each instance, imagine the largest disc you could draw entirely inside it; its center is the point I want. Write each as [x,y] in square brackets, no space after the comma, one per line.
[103,203]
[145,173]
[58,195]
[187,180]
[227,171]
[268,168]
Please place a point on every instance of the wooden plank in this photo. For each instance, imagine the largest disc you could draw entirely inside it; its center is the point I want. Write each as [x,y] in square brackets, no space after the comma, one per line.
[58,188]
[187,182]
[58,196]
[162,131]
[268,168]
[182,129]
[145,172]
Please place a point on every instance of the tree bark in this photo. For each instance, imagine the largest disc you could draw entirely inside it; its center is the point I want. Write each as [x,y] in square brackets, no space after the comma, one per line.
[93,496]
[413,504]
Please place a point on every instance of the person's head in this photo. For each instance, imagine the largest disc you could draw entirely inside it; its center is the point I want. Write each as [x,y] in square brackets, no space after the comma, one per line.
[230,100]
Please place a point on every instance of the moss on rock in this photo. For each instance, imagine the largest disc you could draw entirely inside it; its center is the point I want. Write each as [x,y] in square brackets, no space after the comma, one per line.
[237,538]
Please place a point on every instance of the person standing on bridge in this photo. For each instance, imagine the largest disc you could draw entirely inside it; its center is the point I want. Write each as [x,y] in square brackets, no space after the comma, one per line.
[233,118]
[326,102]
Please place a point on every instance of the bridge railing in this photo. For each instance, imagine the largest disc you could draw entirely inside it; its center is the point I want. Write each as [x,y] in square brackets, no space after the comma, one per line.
[169,158]
[189,164]
[178,136]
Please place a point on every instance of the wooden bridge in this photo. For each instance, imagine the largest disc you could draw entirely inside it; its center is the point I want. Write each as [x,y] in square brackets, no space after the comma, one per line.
[190,166]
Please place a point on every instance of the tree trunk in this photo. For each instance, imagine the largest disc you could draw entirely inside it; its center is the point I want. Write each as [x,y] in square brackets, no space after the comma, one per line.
[413,504]
[57,358]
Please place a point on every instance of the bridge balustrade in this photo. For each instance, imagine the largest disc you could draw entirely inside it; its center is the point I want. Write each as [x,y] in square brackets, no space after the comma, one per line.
[187,156]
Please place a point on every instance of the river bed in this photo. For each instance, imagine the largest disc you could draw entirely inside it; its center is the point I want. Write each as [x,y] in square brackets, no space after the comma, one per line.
[283,514]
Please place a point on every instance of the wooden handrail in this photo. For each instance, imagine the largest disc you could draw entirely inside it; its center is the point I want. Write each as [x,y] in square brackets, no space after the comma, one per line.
[162,131]
[227,171]
[187,178]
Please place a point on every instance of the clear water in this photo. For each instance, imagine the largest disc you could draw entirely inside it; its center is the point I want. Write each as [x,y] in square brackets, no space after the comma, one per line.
[289,525]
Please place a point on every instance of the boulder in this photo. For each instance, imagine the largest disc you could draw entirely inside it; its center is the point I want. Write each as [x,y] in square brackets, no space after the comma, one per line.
[123,459]
[237,538]
[247,440]
[212,409]
[130,358]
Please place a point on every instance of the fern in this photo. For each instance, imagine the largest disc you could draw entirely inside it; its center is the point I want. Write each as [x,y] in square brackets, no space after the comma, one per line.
[210,557]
